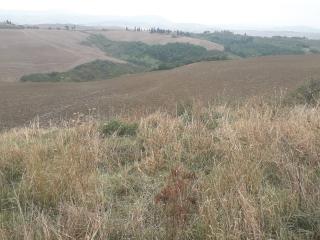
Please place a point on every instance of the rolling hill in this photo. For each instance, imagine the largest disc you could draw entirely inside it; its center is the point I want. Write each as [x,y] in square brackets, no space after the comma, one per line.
[22,102]
[28,51]
[153,38]
[31,51]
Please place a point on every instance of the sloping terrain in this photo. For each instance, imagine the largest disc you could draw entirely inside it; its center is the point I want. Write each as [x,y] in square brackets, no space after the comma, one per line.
[156,38]
[28,51]
[37,51]
[95,70]
[249,46]
[22,102]
[139,57]
[249,171]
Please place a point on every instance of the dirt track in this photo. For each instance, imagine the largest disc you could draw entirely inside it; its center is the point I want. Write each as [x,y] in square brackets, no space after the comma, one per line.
[22,102]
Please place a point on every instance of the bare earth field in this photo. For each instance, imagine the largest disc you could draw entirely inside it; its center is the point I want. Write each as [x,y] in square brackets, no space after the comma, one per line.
[23,52]
[34,51]
[20,103]
[155,38]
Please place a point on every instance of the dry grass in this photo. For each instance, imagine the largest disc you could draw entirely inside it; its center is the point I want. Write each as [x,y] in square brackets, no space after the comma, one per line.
[218,172]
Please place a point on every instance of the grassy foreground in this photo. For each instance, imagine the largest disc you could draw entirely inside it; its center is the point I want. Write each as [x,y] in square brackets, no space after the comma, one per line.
[245,172]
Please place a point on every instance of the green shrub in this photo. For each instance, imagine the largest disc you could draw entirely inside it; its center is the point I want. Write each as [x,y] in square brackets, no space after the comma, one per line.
[308,93]
[315,51]
[139,56]
[305,223]
[91,71]
[156,57]
[250,46]
[118,128]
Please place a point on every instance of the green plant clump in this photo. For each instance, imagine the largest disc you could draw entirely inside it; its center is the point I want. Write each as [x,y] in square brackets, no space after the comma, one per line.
[307,94]
[92,71]
[118,128]
[250,46]
[155,57]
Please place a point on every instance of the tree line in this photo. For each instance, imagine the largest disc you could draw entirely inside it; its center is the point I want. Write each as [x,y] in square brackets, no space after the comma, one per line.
[66,27]
[159,30]
[8,22]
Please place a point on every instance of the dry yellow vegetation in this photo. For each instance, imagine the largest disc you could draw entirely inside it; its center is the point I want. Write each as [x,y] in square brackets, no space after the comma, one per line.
[220,172]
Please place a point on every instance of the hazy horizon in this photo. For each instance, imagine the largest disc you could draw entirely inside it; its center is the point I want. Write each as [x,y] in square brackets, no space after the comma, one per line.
[247,13]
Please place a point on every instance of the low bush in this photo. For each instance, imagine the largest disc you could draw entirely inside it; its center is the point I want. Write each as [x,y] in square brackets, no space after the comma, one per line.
[96,70]
[307,94]
[139,56]
[156,57]
[118,128]
[251,46]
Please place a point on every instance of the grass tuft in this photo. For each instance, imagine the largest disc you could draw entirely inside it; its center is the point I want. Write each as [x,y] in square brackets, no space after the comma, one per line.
[307,94]
[118,128]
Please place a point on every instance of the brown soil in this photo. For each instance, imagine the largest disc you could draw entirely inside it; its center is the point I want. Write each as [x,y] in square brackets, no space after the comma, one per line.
[34,51]
[20,103]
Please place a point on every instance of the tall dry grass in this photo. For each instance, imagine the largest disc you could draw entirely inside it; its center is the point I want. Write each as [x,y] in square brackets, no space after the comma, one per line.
[220,172]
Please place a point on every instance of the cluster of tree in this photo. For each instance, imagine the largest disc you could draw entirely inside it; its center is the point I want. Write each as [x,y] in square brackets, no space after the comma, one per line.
[159,30]
[182,33]
[31,27]
[250,46]
[168,31]
[136,29]
[154,57]
[8,22]
[66,27]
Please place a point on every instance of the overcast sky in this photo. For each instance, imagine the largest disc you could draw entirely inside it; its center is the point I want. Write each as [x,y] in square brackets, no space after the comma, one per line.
[214,12]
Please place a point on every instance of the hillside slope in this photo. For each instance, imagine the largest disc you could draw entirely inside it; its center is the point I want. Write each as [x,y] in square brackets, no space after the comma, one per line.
[234,172]
[36,51]
[20,103]
[156,38]
[28,51]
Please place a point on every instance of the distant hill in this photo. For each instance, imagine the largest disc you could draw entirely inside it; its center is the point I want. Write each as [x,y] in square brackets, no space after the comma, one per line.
[27,51]
[56,17]
[51,17]
[54,49]
[285,33]
[9,25]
